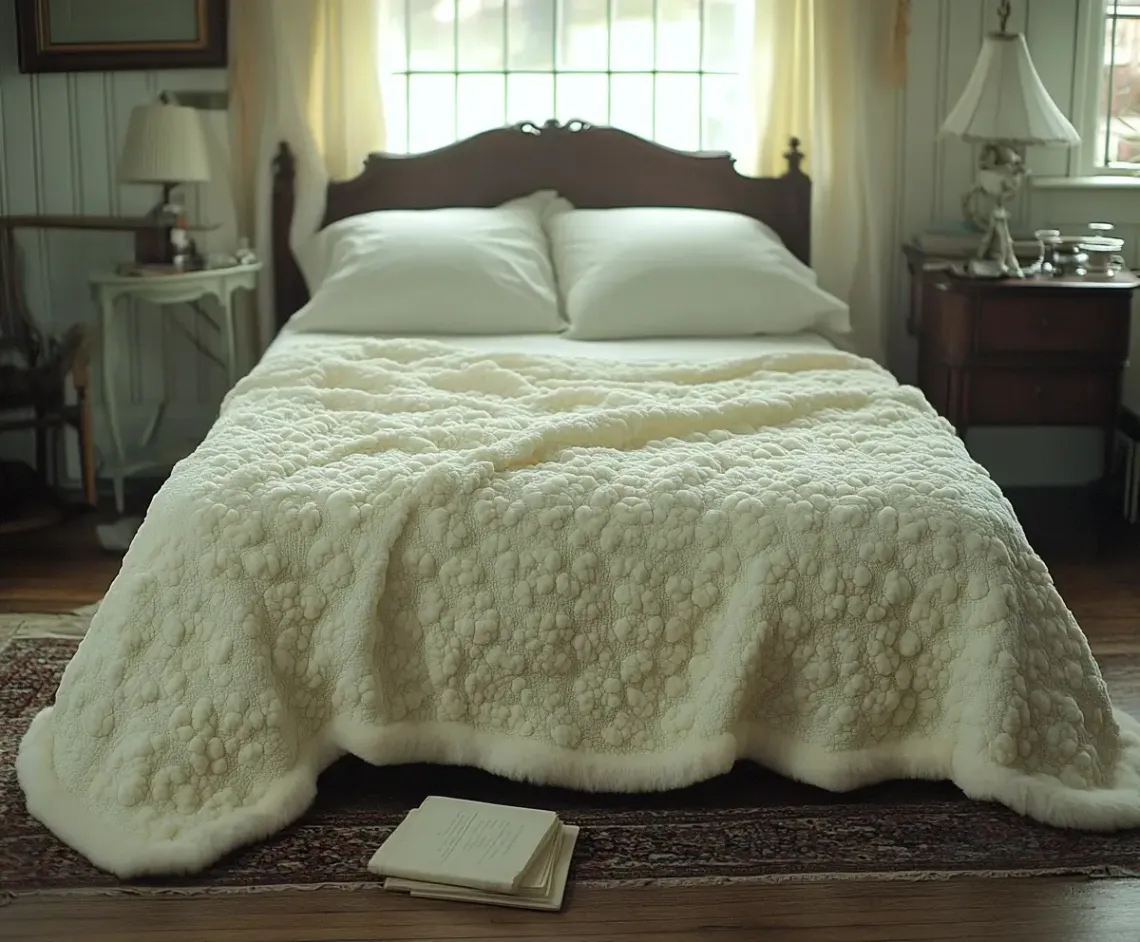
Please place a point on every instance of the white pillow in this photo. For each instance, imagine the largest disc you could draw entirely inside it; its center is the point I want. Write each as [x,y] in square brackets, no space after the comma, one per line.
[665,272]
[434,271]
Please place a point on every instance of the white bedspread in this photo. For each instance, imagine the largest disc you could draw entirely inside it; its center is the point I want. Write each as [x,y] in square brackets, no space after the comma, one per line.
[688,350]
[599,578]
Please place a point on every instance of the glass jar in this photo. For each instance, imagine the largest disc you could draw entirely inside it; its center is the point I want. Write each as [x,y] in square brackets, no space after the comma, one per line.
[1069,260]
[1102,257]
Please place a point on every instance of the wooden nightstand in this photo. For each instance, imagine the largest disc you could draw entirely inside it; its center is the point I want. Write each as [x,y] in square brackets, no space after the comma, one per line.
[924,268]
[1026,352]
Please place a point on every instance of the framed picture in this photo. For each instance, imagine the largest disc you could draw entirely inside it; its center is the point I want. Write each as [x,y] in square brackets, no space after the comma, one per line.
[105,35]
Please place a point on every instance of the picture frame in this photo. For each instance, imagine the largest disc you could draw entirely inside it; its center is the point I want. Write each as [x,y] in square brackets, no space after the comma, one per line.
[110,35]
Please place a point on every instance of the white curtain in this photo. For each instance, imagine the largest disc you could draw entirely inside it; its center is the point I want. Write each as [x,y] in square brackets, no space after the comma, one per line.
[825,71]
[306,72]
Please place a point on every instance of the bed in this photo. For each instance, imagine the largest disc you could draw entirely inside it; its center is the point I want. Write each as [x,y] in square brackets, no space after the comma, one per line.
[620,564]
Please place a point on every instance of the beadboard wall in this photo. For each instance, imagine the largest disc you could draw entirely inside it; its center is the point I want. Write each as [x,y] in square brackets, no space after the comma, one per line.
[60,134]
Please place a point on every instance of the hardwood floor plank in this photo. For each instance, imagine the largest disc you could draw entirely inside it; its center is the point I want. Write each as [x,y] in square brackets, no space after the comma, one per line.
[1041,910]
[55,569]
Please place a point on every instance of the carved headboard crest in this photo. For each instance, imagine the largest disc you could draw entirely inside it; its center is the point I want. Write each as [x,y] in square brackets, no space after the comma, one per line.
[592,166]
[552,126]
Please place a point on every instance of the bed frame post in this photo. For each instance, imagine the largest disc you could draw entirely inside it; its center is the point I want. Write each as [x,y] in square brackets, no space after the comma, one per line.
[798,190]
[289,289]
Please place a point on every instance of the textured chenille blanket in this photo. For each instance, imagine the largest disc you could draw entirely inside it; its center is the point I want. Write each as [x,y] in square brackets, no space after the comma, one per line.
[595,575]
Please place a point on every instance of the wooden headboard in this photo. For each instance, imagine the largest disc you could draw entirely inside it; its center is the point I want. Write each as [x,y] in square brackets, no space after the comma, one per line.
[593,167]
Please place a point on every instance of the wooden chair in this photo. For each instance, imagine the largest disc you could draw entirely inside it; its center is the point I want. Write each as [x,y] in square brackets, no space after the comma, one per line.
[36,400]
[34,370]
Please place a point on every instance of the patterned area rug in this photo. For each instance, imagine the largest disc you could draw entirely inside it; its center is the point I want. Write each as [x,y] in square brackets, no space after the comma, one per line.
[71,624]
[748,826]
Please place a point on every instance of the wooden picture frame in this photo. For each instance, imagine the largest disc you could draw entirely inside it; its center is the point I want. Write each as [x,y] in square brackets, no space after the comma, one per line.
[193,37]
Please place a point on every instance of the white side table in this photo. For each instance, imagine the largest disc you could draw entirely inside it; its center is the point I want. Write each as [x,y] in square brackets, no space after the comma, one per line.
[108,289]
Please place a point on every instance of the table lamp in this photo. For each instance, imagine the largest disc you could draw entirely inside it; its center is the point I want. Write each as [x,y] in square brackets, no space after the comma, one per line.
[1006,108]
[164,145]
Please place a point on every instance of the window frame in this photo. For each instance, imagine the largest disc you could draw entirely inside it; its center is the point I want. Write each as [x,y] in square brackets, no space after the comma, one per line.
[1087,85]
[700,72]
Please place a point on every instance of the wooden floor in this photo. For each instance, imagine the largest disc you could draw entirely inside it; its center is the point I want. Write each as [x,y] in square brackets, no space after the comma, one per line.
[968,910]
[56,569]
[65,569]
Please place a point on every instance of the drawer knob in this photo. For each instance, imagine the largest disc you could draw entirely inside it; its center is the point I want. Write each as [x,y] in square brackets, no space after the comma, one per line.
[1038,391]
[1044,321]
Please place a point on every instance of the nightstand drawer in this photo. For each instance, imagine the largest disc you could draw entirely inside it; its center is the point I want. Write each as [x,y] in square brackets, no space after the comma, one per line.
[1049,325]
[1009,397]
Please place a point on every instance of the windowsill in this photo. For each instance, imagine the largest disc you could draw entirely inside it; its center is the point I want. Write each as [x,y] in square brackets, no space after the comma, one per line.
[1106,181]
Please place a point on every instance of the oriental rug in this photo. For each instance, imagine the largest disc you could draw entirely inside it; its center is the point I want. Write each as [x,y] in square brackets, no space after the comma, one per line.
[747,826]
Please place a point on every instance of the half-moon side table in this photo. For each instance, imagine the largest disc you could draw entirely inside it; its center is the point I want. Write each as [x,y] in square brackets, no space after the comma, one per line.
[161,290]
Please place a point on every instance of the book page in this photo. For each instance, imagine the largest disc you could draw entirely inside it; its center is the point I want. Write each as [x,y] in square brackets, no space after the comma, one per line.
[550,901]
[537,878]
[472,843]
[536,882]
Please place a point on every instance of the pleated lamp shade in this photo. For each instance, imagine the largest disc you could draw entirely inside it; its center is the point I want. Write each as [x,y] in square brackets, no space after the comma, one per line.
[164,144]
[1005,100]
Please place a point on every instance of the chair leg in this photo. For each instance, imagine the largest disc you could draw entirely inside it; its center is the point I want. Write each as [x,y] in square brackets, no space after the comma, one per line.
[42,450]
[86,429]
[54,471]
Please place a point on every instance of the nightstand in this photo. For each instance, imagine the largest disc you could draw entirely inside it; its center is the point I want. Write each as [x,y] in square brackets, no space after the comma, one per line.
[161,291]
[924,268]
[1026,351]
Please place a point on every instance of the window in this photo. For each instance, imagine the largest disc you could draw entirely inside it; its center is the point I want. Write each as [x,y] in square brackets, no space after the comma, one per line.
[1118,121]
[663,69]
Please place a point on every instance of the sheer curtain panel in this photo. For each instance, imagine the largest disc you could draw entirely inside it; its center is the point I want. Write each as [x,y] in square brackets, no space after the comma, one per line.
[817,73]
[306,72]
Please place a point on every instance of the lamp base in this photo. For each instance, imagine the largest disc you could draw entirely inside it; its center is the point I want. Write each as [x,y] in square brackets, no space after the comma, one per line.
[1001,170]
[997,244]
[153,245]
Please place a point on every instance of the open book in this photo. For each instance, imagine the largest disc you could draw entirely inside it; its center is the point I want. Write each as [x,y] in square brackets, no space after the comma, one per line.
[478,852]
